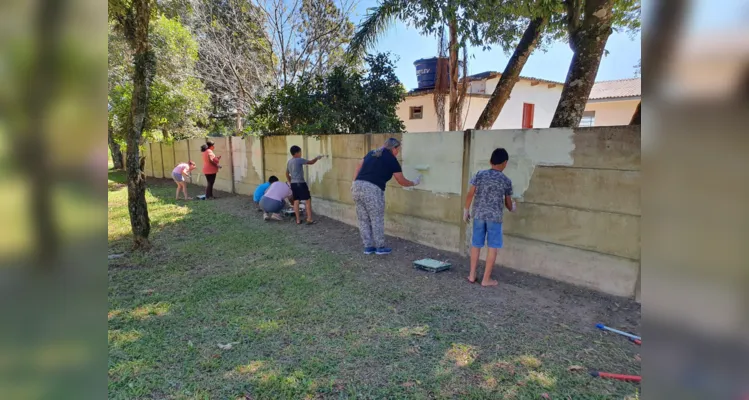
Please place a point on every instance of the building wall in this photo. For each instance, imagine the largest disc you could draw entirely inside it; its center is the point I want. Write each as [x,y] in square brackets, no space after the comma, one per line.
[428,122]
[544,98]
[612,113]
[578,193]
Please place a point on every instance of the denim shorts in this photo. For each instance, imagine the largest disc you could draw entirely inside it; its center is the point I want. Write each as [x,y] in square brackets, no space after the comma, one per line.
[487,233]
[178,177]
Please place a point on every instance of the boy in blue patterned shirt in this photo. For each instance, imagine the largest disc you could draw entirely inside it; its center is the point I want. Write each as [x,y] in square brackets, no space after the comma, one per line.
[490,192]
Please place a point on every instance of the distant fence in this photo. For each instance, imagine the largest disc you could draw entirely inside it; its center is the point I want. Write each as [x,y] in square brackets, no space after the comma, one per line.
[579,208]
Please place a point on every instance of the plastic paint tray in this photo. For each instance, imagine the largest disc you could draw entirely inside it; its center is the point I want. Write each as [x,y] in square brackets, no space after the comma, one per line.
[430,265]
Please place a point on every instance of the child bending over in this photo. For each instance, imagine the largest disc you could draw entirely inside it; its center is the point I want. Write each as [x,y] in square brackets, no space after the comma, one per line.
[179,173]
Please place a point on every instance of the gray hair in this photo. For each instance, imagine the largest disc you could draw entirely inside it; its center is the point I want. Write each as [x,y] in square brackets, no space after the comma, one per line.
[390,144]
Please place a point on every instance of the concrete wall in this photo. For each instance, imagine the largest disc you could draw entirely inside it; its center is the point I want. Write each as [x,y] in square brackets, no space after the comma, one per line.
[578,193]
[247,161]
[612,113]
[579,218]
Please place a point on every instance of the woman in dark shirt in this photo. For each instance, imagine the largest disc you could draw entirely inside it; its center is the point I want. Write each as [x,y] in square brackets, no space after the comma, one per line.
[368,192]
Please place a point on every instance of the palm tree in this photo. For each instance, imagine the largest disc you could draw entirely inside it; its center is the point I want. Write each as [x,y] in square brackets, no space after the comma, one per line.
[496,22]
[379,18]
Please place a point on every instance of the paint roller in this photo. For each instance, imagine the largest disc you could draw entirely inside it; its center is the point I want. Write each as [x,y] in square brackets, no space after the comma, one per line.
[421,167]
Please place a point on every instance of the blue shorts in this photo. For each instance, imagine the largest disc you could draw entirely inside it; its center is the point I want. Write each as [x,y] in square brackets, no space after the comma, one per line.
[487,232]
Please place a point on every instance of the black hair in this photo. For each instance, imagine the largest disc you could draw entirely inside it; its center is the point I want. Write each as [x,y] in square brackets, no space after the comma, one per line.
[499,156]
[295,149]
[208,143]
[272,179]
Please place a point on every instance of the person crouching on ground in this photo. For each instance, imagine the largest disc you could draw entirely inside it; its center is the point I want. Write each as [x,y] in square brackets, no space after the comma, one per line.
[179,173]
[274,199]
[490,192]
[260,191]
[295,176]
[368,192]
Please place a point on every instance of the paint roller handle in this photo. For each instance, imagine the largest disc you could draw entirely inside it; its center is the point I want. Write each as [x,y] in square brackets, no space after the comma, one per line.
[606,328]
[621,377]
[416,181]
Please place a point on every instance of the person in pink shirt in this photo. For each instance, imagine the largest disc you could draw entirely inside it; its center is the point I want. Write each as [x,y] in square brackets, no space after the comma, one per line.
[274,199]
[179,173]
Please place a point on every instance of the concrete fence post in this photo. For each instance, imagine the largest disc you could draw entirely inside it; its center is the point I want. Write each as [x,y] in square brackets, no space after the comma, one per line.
[188,156]
[231,162]
[262,158]
[150,154]
[161,151]
[464,180]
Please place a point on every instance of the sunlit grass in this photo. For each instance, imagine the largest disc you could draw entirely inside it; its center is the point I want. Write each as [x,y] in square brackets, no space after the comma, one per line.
[150,310]
[303,327]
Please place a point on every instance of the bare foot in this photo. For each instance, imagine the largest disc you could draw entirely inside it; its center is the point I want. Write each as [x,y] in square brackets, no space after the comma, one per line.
[491,282]
[471,280]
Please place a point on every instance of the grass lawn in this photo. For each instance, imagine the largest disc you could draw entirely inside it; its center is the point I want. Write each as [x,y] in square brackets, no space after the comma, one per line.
[308,316]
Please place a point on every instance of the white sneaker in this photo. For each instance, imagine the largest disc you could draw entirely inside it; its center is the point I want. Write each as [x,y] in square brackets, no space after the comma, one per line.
[266,216]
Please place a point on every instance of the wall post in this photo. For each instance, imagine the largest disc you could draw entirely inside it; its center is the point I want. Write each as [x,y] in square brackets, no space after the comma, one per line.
[161,151]
[464,180]
[262,157]
[150,154]
[231,162]
[188,156]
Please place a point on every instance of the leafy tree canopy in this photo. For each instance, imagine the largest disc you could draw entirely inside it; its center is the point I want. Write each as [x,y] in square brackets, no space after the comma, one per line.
[344,101]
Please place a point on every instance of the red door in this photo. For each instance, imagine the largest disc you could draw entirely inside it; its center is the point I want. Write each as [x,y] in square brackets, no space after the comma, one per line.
[528,115]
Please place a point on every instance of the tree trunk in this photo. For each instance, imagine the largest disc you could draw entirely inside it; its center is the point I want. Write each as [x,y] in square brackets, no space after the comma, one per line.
[658,43]
[589,42]
[511,74]
[454,120]
[145,63]
[115,149]
[34,151]
[636,118]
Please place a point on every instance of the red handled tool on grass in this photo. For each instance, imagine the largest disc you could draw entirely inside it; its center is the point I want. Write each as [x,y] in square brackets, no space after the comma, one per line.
[620,377]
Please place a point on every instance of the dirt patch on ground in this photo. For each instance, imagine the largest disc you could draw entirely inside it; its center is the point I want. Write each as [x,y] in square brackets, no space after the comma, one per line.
[543,300]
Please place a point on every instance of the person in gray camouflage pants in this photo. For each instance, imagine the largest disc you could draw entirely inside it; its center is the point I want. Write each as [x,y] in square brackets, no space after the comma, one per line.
[368,193]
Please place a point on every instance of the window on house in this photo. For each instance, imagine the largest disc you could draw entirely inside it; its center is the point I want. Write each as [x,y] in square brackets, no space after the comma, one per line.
[528,115]
[589,118]
[415,112]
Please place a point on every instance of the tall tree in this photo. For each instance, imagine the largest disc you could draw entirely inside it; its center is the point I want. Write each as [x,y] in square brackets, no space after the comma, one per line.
[235,55]
[119,75]
[178,101]
[511,74]
[432,17]
[589,24]
[133,17]
[346,100]
[307,36]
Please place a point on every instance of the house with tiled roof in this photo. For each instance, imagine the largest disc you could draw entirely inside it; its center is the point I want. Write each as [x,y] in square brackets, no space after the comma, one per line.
[531,104]
[612,102]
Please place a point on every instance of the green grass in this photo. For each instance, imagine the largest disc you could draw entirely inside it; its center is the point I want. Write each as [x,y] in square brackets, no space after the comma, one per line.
[306,323]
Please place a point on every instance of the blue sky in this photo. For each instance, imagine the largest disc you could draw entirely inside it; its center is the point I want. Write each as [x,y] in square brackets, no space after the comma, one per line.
[624,51]
[409,45]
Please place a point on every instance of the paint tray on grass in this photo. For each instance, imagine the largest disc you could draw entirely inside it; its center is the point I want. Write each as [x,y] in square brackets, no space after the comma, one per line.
[430,265]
